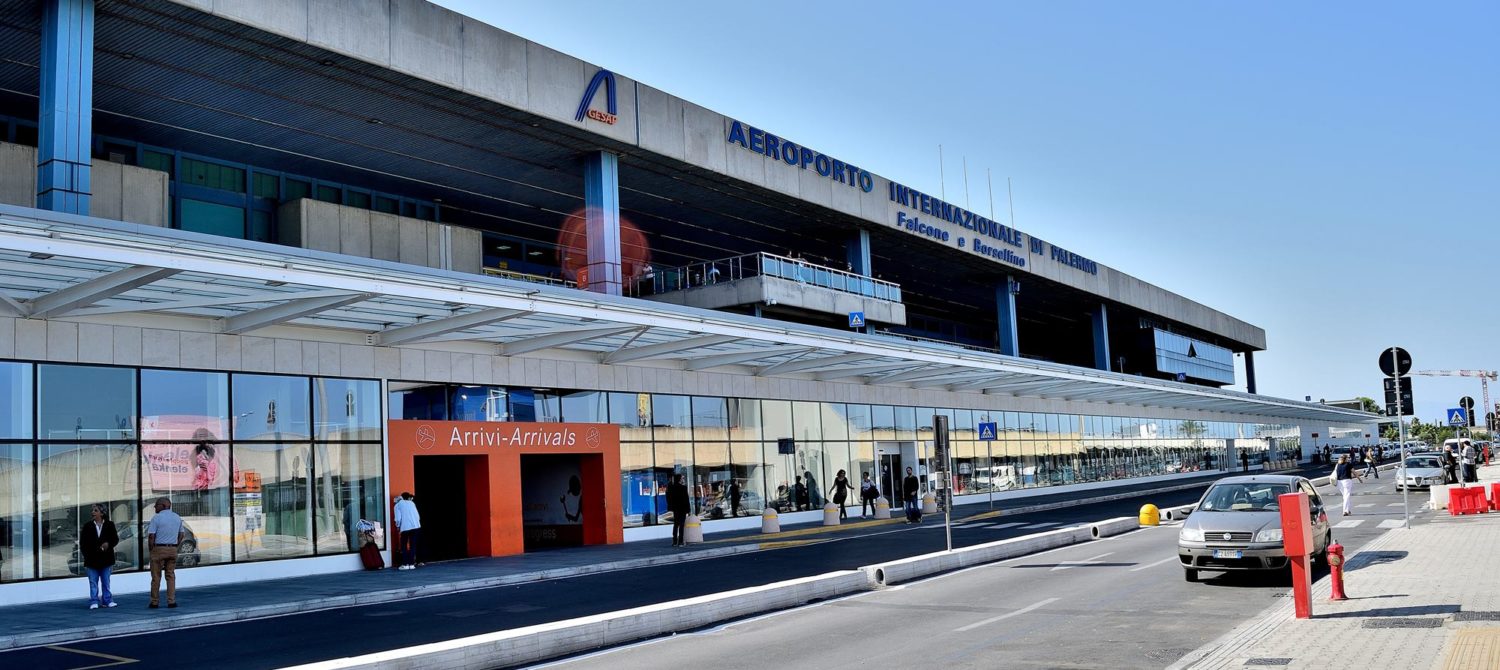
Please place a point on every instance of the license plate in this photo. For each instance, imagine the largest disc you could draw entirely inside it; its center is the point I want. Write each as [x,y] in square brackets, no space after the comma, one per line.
[1226,553]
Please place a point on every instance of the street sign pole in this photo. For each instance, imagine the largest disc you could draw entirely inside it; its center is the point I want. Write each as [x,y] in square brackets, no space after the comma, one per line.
[1401,433]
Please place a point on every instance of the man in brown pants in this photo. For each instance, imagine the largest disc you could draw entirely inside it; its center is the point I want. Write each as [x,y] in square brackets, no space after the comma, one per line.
[163,534]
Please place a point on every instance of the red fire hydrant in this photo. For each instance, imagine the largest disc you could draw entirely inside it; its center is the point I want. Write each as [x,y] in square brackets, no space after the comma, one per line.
[1336,571]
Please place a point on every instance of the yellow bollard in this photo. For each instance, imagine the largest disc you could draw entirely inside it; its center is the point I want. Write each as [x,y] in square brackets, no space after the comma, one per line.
[882,508]
[1150,516]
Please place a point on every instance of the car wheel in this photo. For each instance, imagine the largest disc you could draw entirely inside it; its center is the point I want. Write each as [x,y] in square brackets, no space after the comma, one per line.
[1190,574]
[188,554]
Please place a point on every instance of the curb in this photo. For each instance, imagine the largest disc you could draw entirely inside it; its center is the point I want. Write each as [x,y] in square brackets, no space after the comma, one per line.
[23,640]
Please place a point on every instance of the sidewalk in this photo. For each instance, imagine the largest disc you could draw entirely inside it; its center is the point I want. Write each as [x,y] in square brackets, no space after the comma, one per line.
[64,621]
[1428,597]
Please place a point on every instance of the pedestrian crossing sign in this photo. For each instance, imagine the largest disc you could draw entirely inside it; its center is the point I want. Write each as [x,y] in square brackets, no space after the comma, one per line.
[986,430]
[856,319]
[1458,417]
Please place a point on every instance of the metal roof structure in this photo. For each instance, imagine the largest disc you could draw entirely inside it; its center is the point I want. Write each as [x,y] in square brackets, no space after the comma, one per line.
[58,265]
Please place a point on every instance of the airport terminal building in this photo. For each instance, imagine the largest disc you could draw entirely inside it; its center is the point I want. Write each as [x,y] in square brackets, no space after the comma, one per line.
[280,261]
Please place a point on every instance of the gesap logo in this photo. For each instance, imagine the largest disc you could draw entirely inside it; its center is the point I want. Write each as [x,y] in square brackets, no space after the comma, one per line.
[585,107]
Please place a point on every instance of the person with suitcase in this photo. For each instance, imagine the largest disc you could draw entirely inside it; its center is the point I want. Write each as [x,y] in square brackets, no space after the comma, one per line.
[369,545]
[909,490]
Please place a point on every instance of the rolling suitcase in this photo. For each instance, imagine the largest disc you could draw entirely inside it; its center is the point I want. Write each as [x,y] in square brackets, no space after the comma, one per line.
[370,556]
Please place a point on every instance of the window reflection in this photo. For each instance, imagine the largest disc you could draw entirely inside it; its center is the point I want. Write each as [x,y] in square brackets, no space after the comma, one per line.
[270,407]
[15,401]
[346,409]
[71,478]
[80,402]
[273,512]
[180,405]
[17,534]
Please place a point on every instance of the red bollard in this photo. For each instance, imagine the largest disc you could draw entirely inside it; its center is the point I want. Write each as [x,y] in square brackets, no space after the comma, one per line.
[1297,544]
[1336,571]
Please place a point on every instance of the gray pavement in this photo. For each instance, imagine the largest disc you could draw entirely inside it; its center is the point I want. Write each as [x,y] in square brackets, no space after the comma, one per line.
[1121,602]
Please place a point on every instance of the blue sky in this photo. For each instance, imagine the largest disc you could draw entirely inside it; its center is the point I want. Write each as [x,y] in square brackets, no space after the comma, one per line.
[1327,171]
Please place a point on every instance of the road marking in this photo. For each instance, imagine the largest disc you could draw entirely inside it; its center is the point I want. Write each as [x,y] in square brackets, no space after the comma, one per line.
[1351,523]
[1392,523]
[114,660]
[1003,617]
[1147,567]
[1064,565]
[1365,505]
[1395,504]
[1043,524]
[978,525]
[1012,524]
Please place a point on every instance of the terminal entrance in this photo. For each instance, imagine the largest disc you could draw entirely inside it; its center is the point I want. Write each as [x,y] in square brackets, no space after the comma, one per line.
[894,459]
[451,505]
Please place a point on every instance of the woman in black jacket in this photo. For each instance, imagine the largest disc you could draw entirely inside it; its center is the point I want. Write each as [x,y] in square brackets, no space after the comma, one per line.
[96,542]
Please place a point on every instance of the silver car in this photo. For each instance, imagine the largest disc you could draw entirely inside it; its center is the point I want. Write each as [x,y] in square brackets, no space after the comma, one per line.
[1237,525]
[1421,471]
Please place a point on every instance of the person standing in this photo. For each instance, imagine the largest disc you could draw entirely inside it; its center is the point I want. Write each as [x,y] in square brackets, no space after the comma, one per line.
[803,501]
[840,491]
[96,541]
[163,534]
[910,487]
[1470,471]
[1244,461]
[409,522]
[1344,475]
[868,492]
[678,505]
[734,497]
[1450,466]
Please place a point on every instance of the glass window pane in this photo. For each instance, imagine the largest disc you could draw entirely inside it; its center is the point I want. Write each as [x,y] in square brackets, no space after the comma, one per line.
[632,413]
[744,420]
[327,194]
[267,185]
[156,160]
[357,199]
[710,419]
[212,218]
[671,417]
[776,418]
[710,479]
[860,426]
[17,518]
[15,401]
[749,475]
[183,405]
[71,478]
[478,403]
[78,402]
[273,501]
[270,407]
[196,478]
[671,458]
[296,189]
[835,421]
[422,402]
[884,419]
[548,406]
[807,425]
[585,407]
[349,488]
[906,423]
[638,484]
[346,409]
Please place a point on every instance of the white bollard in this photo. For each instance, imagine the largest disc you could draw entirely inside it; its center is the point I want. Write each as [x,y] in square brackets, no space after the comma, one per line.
[692,530]
[830,514]
[770,521]
[882,508]
[929,503]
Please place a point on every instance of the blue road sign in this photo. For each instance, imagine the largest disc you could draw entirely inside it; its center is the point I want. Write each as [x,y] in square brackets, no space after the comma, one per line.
[987,431]
[856,319]
[1458,417]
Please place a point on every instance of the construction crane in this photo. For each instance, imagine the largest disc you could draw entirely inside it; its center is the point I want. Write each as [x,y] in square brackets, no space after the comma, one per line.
[1485,376]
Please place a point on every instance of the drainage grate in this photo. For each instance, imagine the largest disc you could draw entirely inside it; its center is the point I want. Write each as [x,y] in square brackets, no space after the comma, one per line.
[1476,616]
[1269,661]
[1403,623]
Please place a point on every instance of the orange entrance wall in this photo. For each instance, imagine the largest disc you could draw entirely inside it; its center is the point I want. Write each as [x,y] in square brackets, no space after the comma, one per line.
[497,448]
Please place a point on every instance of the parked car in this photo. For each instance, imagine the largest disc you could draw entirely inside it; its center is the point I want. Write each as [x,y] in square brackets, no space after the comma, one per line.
[1237,525]
[1420,471]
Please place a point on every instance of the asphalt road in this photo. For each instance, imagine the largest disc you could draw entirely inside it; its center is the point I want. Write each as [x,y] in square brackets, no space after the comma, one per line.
[304,638]
[1121,602]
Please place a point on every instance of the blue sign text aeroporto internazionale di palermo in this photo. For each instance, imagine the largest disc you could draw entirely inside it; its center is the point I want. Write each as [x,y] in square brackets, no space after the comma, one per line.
[990,238]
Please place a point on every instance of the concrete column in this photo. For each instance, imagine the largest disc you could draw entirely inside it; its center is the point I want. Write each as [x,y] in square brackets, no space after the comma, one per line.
[858,251]
[1250,372]
[1101,337]
[601,201]
[1005,304]
[65,121]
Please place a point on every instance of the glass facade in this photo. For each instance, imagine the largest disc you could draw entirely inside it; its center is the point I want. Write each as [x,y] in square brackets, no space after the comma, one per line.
[258,466]
[1194,359]
[719,444]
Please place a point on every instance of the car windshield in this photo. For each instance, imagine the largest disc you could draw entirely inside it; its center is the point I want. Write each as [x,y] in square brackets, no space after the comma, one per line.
[1243,497]
[1422,462]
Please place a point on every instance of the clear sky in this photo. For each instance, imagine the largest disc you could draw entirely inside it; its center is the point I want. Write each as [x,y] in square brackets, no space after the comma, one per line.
[1327,171]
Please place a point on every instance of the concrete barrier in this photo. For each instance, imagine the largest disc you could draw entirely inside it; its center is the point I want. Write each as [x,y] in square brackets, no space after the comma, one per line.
[916,567]
[1111,527]
[534,644]
[1178,513]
